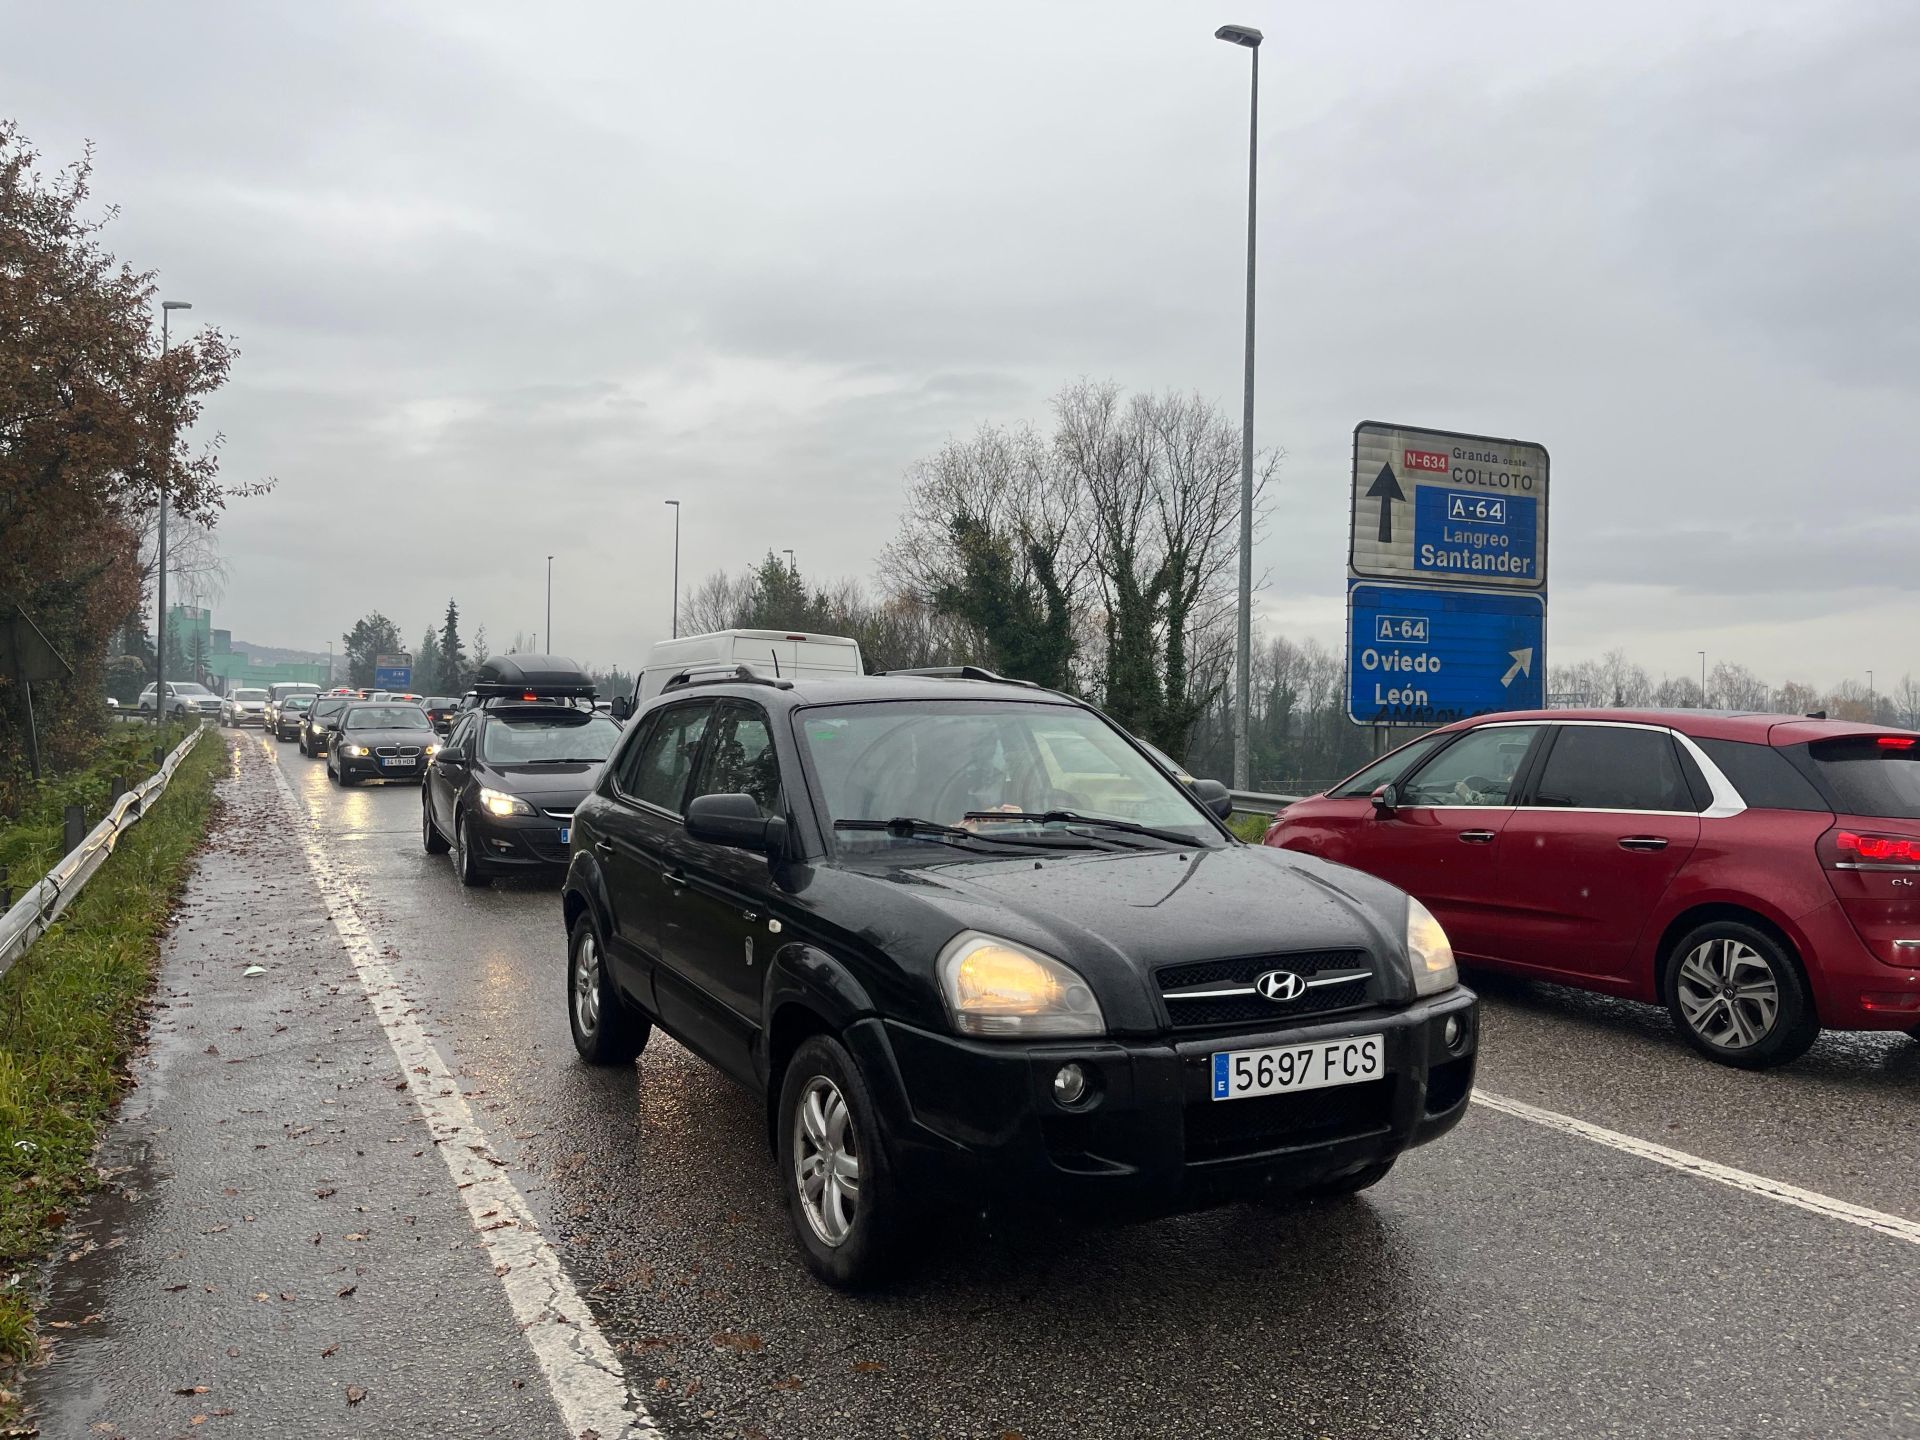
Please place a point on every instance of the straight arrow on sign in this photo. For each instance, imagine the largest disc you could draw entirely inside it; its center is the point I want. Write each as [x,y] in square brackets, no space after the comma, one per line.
[1522,665]
[1386,489]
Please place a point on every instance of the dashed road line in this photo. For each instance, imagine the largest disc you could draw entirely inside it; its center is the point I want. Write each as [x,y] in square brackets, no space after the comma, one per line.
[580,1368]
[1894,1227]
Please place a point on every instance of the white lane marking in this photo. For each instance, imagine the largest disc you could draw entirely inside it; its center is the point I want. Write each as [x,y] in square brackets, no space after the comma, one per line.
[579,1366]
[1893,1226]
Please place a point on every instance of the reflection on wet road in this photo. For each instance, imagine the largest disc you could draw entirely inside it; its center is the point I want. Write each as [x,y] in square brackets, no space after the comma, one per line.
[1508,1281]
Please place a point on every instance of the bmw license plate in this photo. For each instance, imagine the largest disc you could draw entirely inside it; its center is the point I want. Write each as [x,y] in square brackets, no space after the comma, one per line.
[566,833]
[1241,1074]
[399,762]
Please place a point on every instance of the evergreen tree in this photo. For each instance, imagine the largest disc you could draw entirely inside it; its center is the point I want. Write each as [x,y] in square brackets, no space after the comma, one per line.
[452,654]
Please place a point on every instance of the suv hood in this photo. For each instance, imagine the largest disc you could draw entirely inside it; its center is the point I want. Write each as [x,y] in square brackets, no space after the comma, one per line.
[1115,917]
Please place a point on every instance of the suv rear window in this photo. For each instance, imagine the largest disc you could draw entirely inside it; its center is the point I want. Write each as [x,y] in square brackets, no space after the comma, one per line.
[1861,776]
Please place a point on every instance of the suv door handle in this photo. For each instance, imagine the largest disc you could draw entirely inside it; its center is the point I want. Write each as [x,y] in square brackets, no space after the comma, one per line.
[674,877]
[1477,837]
[603,845]
[1643,842]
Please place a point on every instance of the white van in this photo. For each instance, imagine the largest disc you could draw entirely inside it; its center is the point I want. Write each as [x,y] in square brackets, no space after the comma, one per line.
[771,652]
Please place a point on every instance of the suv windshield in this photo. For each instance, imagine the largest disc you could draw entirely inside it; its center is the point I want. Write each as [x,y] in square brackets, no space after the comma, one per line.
[296,702]
[947,761]
[249,694]
[386,717]
[187,688]
[548,739]
[1862,776]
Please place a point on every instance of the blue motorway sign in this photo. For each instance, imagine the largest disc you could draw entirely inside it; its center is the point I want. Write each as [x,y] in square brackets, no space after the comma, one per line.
[1424,656]
[1468,535]
[393,672]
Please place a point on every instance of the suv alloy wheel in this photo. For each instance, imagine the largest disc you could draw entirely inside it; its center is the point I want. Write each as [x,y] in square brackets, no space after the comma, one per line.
[841,1196]
[1738,996]
[466,859]
[606,1031]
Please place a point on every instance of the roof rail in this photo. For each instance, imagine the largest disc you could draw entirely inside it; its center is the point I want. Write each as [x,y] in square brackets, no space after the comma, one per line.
[721,672]
[961,672]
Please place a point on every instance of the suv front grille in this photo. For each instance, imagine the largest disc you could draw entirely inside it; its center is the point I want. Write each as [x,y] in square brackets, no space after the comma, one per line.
[1187,989]
[1230,1129]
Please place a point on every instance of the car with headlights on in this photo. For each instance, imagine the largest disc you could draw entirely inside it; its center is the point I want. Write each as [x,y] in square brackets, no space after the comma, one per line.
[501,791]
[320,721]
[441,710]
[244,707]
[284,715]
[381,740]
[963,937]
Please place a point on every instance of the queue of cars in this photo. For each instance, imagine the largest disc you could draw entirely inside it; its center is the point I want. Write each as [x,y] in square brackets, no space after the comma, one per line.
[963,936]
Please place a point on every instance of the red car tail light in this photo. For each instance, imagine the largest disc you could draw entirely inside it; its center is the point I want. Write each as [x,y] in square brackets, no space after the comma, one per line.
[1853,850]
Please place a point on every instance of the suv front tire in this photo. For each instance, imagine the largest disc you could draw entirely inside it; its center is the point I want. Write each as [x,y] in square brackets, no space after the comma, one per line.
[606,1030]
[829,1143]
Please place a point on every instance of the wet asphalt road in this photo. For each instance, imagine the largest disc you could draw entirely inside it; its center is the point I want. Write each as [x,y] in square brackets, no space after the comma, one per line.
[1510,1280]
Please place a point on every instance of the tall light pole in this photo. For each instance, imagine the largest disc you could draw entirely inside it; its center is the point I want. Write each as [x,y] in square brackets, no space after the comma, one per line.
[549,604]
[1246,35]
[1872,709]
[792,569]
[167,307]
[1703,679]
[676,567]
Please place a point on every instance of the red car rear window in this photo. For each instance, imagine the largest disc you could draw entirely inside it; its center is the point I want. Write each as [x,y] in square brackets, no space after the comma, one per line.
[1864,777]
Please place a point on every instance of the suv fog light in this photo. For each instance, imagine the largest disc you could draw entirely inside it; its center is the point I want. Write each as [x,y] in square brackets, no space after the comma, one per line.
[1070,1084]
[1454,1033]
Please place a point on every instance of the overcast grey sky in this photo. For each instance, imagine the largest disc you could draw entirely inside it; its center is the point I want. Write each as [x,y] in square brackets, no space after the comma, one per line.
[505,277]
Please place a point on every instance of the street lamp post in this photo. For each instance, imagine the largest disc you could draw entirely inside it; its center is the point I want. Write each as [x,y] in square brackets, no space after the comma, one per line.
[676,567]
[1703,679]
[549,604]
[1247,36]
[167,307]
[792,569]
[1873,710]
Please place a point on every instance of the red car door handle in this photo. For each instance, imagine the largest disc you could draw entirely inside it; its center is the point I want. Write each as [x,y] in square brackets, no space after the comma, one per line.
[1477,837]
[1642,842]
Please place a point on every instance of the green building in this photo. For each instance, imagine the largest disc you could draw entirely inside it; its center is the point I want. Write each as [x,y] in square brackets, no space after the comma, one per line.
[214,662]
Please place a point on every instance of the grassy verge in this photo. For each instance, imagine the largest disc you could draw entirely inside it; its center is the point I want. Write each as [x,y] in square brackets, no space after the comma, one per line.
[1249,827]
[33,840]
[70,1015]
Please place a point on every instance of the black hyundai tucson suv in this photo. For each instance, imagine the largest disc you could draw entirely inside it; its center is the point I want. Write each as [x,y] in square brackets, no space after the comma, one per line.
[966,937]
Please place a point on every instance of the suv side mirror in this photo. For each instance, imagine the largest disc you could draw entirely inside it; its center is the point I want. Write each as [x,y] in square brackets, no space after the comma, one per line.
[622,706]
[1386,800]
[1215,796]
[735,821]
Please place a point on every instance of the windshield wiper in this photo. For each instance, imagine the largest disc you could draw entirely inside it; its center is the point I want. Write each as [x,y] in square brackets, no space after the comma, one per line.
[1074,817]
[907,827]
[561,760]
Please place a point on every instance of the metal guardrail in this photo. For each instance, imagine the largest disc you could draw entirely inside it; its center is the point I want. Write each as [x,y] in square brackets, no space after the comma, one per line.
[1253,802]
[34,913]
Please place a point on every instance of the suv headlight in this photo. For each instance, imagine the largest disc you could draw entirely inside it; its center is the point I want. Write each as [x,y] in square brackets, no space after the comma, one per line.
[498,802]
[1429,952]
[997,989]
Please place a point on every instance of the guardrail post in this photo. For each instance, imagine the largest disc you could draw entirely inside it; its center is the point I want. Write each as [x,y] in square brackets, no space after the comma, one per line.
[119,789]
[159,754]
[76,829]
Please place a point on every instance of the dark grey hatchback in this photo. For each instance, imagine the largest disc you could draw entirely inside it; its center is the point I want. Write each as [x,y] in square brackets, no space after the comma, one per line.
[968,939]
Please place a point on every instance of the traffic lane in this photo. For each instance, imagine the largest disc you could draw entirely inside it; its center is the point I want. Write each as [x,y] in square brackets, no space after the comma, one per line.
[1840,1120]
[280,1226]
[1507,1281]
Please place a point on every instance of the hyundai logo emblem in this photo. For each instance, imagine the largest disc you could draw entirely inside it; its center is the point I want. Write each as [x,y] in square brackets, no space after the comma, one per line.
[1280,986]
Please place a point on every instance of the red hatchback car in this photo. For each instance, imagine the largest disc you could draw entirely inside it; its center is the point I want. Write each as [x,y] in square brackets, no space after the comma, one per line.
[1757,874]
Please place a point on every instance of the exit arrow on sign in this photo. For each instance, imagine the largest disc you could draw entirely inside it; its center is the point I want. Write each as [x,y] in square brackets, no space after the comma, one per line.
[1386,489]
[1522,665]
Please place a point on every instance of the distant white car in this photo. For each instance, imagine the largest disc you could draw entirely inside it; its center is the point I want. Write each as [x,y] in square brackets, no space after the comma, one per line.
[183,698]
[244,707]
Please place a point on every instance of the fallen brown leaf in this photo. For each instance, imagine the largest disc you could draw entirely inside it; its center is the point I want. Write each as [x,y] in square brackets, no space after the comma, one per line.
[730,1340]
[191,1390]
[341,1295]
[867,1367]
[355,1394]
